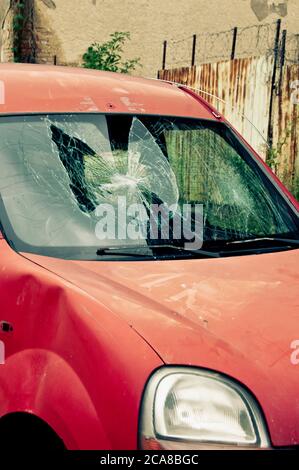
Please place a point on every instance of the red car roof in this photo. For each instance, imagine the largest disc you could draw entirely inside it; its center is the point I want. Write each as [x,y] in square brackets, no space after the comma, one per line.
[28,88]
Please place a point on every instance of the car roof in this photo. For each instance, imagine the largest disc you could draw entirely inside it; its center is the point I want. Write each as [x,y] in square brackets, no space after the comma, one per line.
[31,88]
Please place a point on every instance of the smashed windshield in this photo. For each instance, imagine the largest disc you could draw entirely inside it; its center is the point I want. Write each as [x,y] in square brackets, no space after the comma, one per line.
[93,181]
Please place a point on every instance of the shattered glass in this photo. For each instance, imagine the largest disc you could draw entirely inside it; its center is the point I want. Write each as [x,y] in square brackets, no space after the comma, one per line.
[137,173]
[56,171]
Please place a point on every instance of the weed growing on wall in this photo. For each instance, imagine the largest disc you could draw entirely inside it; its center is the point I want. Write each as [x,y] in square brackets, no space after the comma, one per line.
[108,55]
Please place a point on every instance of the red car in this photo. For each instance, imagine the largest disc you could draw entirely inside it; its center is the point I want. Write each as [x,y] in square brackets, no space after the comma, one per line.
[119,338]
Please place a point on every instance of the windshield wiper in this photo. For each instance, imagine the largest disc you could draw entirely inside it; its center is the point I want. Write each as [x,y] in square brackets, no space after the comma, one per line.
[207,253]
[225,248]
[122,251]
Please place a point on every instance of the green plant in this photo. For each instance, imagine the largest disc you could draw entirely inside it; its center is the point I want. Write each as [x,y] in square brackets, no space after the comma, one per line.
[108,55]
[24,39]
[18,23]
[295,188]
[278,164]
[274,154]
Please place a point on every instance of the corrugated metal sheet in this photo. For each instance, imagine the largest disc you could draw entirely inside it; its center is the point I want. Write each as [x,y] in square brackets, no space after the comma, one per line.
[245,87]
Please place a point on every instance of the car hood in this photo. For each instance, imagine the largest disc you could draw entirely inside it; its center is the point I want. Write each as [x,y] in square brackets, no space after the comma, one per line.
[235,315]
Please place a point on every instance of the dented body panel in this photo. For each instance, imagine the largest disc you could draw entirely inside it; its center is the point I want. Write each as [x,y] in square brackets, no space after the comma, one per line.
[237,315]
[63,360]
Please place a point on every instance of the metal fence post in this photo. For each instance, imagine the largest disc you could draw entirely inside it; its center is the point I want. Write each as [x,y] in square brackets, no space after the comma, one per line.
[164,55]
[273,83]
[193,50]
[282,60]
[235,33]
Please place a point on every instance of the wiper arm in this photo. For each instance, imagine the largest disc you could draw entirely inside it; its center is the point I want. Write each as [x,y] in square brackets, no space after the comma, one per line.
[208,254]
[122,251]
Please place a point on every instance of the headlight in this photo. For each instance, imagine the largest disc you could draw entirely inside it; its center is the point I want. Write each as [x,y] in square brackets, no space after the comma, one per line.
[189,408]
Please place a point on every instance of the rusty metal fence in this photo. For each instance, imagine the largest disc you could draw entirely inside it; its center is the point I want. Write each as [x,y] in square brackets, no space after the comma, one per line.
[260,96]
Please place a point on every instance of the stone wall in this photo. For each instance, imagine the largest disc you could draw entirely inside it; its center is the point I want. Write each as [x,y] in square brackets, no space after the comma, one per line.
[48,49]
[73,25]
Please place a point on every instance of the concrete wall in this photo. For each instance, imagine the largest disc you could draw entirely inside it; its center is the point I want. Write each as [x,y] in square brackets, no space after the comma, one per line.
[4,4]
[67,27]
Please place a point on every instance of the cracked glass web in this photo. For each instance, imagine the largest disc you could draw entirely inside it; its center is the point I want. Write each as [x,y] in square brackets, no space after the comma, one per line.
[56,170]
